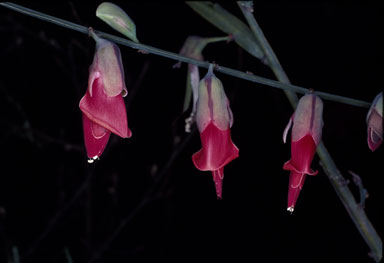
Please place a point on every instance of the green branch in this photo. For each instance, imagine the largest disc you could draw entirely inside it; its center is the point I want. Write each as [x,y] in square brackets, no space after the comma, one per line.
[235,73]
[357,214]
[337,180]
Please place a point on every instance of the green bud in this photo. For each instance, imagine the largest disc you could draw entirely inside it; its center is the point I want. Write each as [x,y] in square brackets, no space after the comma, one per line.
[114,16]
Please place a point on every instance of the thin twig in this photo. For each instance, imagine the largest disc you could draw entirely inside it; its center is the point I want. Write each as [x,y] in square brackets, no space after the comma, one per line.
[25,130]
[357,214]
[273,62]
[171,55]
[68,256]
[148,196]
[60,213]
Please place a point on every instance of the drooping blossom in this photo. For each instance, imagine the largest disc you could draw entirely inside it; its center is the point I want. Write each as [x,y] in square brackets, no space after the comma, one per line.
[103,106]
[375,123]
[214,120]
[193,48]
[305,136]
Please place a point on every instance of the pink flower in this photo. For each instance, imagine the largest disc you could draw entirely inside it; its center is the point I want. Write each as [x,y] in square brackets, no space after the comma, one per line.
[214,119]
[375,123]
[306,135]
[103,105]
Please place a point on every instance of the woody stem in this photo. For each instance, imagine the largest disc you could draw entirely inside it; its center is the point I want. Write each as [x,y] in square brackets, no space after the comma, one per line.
[355,211]
[284,85]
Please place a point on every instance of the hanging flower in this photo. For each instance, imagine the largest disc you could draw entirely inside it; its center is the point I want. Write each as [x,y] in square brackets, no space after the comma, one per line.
[193,48]
[306,135]
[214,120]
[103,105]
[375,123]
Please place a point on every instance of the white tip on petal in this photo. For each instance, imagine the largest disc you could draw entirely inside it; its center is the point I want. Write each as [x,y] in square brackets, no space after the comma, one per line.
[285,133]
[290,209]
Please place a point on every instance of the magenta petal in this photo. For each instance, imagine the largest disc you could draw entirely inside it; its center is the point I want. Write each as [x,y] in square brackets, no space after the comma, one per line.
[375,130]
[290,167]
[302,153]
[95,137]
[296,182]
[217,149]
[218,176]
[374,139]
[108,112]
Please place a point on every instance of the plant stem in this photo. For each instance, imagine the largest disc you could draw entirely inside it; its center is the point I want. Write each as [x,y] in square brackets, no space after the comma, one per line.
[337,180]
[355,211]
[273,62]
[235,73]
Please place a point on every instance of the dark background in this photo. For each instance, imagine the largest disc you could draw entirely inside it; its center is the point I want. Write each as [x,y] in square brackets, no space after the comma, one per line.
[145,189]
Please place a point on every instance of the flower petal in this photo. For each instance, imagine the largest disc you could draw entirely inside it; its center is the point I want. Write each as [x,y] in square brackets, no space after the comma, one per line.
[95,137]
[377,105]
[217,149]
[212,104]
[308,118]
[286,130]
[218,176]
[108,62]
[296,182]
[374,139]
[302,153]
[375,126]
[108,112]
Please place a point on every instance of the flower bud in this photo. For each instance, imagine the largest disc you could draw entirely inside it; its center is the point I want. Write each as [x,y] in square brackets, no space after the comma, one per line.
[306,135]
[108,63]
[212,104]
[214,119]
[375,123]
[103,105]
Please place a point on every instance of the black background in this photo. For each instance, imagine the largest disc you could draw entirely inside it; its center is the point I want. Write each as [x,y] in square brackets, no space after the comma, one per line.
[169,207]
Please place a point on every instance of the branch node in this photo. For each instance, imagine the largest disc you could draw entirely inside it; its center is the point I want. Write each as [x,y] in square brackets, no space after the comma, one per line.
[230,38]
[248,5]
[363,192]
[143,51]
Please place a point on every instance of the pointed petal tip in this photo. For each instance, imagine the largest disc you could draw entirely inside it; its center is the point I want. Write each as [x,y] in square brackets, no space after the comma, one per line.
[128,134]
[290,209]
[296,182]
[218,177]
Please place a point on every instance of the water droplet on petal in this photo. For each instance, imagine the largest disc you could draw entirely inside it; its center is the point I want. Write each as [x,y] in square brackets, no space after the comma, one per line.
[92,160]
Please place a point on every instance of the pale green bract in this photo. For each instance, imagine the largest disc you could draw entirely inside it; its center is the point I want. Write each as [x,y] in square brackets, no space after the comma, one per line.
[115,17]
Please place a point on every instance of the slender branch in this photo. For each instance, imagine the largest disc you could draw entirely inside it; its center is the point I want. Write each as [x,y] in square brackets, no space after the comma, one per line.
[61,212]
[68,256]
[355,211]
[235,73]
[148,196]
[247,9]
